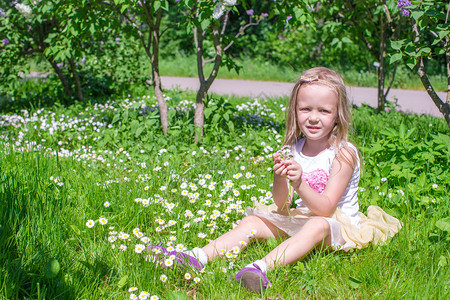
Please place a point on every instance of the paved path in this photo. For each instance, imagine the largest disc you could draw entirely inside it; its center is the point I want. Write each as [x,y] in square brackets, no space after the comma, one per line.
[410,101]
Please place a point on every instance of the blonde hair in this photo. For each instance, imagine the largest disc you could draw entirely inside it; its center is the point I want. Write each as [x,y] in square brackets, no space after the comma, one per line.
[339,134]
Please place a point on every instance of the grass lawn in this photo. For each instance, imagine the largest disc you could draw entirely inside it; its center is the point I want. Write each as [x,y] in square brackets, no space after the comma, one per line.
[85,188]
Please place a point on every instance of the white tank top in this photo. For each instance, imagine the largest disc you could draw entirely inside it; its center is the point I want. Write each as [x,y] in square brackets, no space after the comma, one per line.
[316,171]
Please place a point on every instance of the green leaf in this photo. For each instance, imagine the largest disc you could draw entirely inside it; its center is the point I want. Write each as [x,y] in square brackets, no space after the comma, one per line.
[226,116]
[156,6]
[443,33]
[417,14]
[411,63]
[395,57]
[420,181]
[205,23]
[401,131]
[52,268]
[425,50]
[125,116]
[122,282]
[116,118]
[444,224]
[134,126]
[231,126]
[139,131]
[75,229]
[354,282]
[397,45]
[442,261]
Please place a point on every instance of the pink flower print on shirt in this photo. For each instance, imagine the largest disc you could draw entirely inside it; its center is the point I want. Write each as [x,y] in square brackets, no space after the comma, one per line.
[316,179]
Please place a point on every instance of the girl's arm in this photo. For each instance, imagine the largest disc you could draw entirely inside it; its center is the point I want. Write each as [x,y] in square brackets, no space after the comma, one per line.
[280,192]
[322,204]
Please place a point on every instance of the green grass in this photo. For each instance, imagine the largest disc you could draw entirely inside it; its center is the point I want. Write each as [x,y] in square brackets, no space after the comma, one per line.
[47,199]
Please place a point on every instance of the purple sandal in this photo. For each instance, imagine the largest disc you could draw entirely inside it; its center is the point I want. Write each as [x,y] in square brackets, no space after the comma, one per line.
[253,279]
[161,253]
[188,260]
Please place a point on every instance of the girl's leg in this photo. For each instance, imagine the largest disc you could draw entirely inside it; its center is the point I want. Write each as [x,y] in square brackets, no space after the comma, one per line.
[316,232]
[240,236]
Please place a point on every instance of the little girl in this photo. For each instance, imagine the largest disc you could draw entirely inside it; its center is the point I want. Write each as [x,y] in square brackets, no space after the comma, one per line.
[322,167]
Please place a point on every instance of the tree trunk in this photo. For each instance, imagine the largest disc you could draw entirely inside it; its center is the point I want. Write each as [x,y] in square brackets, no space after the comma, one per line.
[163,113]
[381,69]
[447,103]
[63,79]
[444,107]
[76,79]
[205,84]
[199,117]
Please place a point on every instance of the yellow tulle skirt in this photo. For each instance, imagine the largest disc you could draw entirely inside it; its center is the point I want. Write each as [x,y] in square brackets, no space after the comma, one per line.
[375,227]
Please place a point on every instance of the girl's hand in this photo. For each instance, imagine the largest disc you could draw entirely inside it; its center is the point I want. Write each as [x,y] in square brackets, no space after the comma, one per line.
[293,171]
[279,166]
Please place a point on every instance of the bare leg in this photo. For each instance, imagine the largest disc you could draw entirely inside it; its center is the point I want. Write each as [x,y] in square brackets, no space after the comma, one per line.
[315,232]
[263,229]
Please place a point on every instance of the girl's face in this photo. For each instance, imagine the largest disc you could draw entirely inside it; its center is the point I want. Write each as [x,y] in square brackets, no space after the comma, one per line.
[316,111]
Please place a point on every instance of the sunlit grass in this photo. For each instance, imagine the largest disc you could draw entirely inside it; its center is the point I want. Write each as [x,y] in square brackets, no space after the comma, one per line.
[80,186]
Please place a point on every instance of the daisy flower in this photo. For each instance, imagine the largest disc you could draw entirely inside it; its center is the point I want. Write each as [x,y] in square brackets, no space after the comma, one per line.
[168,262]
[90,223]
[163,277]
[139,248]
[187,276]
[196,279]
[103,220]
[143,295]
